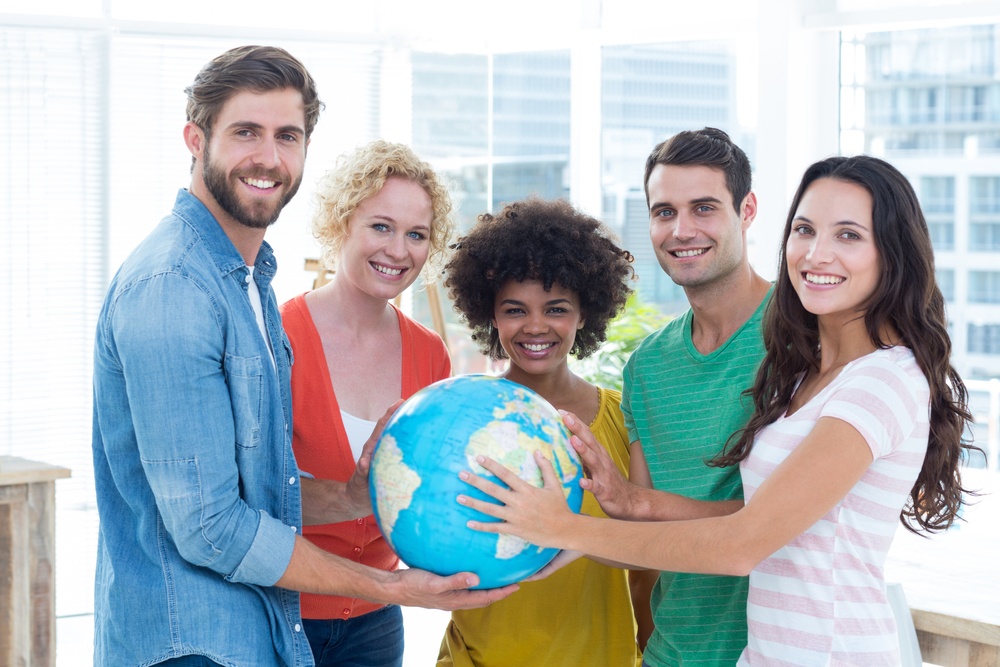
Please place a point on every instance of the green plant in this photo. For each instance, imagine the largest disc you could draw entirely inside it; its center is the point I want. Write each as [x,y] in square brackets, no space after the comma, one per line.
[604,367]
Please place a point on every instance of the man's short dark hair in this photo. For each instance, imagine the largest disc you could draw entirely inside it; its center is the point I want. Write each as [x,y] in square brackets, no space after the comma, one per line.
[709,147]
[259,69]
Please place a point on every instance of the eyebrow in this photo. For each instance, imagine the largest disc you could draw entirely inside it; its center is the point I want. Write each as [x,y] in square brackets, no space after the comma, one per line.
[294,129]
[551,302]
[389,218]
[697,200]
[839,223]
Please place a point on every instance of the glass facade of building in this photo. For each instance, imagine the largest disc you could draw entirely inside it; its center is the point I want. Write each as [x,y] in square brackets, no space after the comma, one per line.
[931,106]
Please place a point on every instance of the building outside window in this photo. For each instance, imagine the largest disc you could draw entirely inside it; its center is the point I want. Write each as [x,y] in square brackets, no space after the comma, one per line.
[931,106]
[984,338]
[984,286]
[946,281]
[937,196]
[984,213]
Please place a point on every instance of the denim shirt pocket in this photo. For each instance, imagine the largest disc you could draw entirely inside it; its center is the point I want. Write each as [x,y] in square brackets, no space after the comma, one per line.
[246,380]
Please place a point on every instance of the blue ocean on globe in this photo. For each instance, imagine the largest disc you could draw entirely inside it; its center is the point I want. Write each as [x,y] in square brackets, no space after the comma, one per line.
[437,433]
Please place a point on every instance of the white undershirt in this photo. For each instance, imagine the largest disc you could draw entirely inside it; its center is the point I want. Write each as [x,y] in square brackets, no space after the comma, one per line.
[258,311]
[358,431]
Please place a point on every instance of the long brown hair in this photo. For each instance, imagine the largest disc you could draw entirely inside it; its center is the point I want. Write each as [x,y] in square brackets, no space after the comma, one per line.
[908,299]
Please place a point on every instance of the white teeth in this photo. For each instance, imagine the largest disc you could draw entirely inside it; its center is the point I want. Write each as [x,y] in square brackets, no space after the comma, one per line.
[823,280]
[386,270]
[536,347]
[260,183]
[690,253]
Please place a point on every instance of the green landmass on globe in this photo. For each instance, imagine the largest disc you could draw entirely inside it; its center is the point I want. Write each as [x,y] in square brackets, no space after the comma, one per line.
[438,432]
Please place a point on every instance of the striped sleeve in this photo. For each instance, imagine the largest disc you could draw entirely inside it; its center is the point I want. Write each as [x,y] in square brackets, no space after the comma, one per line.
[882,401]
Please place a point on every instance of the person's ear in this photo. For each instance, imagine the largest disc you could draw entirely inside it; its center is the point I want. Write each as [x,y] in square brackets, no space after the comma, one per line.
[194,139]
[748,211]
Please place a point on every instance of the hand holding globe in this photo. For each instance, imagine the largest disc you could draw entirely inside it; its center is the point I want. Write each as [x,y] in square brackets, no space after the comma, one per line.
[526,511]
[442,431]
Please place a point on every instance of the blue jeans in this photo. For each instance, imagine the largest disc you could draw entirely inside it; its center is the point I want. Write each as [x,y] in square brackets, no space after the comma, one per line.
[372,640]
[188,661]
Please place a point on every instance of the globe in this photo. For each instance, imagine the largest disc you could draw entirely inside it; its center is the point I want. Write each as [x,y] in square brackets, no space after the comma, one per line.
[440,431]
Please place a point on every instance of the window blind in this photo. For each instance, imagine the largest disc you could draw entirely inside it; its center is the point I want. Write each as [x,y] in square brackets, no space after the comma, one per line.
[52,217]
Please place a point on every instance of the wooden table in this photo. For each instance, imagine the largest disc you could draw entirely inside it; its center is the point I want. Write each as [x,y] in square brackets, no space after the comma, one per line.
[952,582]
[27,562]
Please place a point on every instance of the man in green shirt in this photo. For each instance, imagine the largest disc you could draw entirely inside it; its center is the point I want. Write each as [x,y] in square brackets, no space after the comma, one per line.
[682,386]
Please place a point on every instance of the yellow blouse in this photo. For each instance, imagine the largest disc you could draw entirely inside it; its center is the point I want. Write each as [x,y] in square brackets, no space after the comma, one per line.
[580,615]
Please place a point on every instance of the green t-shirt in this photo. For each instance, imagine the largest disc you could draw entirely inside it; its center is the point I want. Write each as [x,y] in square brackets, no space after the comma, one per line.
[683,406]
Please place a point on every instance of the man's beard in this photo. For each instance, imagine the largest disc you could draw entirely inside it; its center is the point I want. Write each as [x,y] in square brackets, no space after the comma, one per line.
[257,215]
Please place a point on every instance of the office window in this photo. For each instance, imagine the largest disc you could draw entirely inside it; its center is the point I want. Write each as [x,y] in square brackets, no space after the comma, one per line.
[496,143]
[530,127]
[648,93]
[531,107]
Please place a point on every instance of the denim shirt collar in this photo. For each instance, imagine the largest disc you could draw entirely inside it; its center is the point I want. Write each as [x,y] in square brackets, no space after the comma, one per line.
[225,255]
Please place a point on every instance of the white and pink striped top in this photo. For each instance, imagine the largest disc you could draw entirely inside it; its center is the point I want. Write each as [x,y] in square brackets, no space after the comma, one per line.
[821,599]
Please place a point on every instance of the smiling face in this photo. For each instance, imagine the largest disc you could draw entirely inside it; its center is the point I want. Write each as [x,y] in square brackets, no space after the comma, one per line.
[537,327]
[698,237]
[833,263]
[388,239]
[251,165]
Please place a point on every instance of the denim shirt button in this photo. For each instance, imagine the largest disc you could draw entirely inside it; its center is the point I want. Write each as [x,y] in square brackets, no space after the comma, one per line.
[291,480]
[297,628]
[294,529]
[247,279]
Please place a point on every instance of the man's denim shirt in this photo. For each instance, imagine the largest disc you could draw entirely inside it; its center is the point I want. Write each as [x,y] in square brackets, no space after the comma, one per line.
[197,487]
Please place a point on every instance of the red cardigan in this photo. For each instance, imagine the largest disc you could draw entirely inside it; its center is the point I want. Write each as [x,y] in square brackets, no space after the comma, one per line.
[322,449]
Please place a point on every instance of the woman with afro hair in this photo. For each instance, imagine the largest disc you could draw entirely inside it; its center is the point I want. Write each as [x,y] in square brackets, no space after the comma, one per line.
[536,283]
